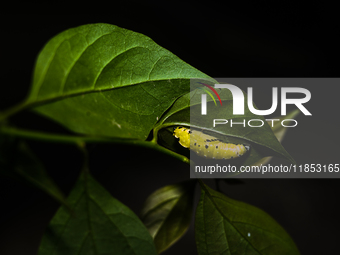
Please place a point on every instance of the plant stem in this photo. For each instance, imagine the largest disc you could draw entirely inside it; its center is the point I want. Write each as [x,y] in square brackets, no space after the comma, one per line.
[48,137]
[13,110]
[202,184]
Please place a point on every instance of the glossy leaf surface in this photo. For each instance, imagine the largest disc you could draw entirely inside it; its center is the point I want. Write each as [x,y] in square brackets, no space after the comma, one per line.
[100,79]
[227,226]
[99,224]
[167,213]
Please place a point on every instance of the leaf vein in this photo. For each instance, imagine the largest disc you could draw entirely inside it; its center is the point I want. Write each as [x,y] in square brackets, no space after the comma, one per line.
[119,54]
[62,87]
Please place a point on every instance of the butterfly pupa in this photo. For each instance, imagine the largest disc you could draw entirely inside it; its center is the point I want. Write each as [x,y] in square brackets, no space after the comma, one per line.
[208,146]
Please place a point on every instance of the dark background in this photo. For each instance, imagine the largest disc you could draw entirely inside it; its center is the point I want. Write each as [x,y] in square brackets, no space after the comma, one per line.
[258,39]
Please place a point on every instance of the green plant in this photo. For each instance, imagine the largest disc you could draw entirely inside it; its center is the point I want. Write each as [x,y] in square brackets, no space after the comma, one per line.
[111,85]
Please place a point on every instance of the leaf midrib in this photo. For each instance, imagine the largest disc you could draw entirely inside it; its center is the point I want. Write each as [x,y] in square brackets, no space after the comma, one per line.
[66,223]
[35,103]
[88,197]
[228,220]
[159,205]
[216,197]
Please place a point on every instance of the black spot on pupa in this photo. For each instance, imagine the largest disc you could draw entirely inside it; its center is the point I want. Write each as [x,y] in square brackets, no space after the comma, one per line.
[190,131]
[223,158]
[208,140]
[216,147]
[206,146]
[199,145]
[194,144]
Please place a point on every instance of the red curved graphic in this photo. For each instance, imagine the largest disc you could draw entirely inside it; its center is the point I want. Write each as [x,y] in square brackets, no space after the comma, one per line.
[213,90]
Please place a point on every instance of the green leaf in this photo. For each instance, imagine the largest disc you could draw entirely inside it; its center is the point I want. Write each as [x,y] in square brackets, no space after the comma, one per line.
[279,131]
[187,111]
[227,226]
[19,162]
[100,225]
[167,213]
[99,79]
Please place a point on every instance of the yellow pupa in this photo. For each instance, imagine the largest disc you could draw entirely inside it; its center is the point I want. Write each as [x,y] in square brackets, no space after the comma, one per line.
[208,146]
